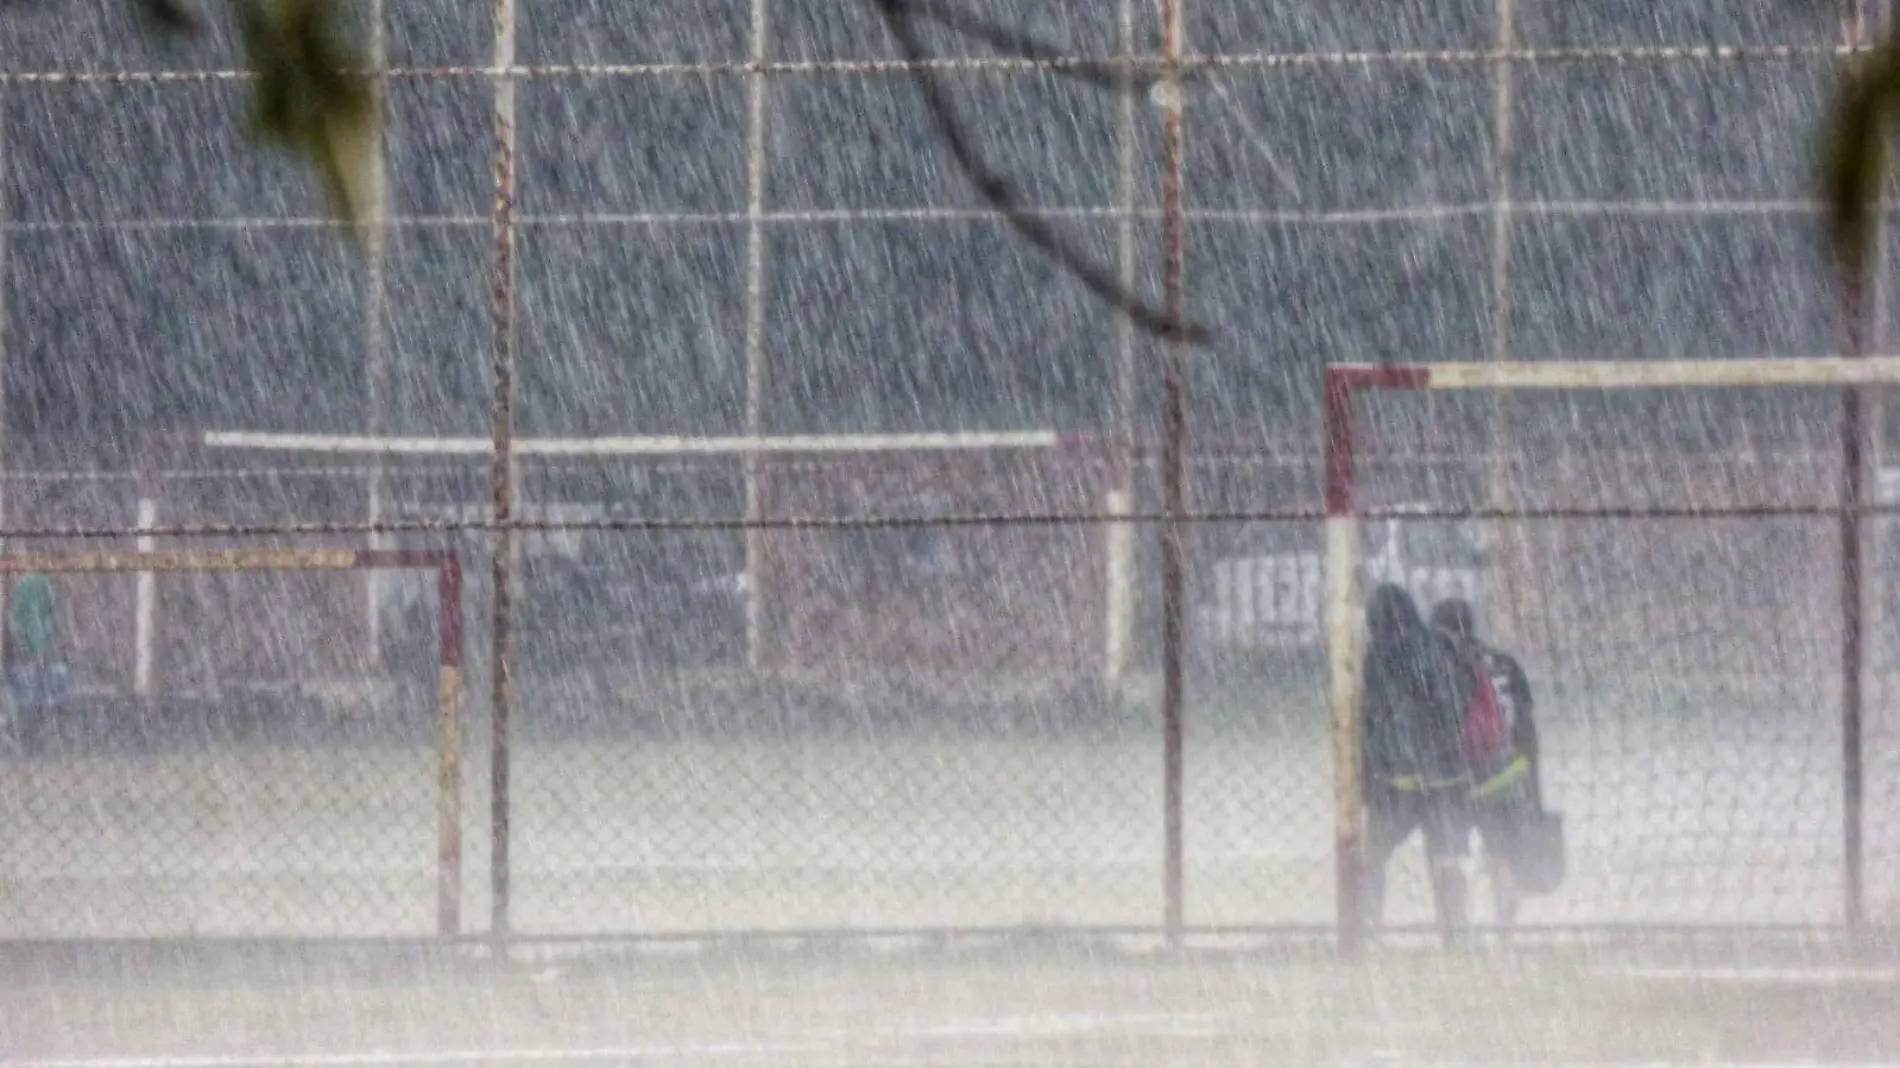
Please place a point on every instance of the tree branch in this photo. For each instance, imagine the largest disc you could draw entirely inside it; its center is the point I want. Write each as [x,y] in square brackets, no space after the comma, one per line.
[1027,47]
[1003,196]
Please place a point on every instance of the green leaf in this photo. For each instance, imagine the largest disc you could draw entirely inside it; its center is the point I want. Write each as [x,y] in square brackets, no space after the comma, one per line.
[314,97]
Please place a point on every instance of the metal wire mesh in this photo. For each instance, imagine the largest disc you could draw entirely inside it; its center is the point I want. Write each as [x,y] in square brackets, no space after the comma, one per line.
[641,245]
[1691,670]
[241,769]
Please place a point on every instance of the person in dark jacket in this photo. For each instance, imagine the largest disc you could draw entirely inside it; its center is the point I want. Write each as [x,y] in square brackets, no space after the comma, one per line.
[1413,774]
[1504,794]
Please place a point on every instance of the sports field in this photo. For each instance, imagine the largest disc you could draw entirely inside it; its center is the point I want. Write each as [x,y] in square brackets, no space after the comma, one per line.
[1705,815]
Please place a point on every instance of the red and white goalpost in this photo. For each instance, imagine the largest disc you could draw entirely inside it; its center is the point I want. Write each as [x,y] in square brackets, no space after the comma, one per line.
[147,564]
[1345,552]
[751,455]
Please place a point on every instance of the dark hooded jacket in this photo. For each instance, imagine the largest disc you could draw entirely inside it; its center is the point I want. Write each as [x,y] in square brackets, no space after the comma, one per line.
[1417,688]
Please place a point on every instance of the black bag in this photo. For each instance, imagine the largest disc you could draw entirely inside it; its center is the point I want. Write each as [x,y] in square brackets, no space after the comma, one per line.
[1539,861]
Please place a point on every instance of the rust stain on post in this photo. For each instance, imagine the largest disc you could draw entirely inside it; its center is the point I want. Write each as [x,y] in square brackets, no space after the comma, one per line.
[449,799]
[450,728]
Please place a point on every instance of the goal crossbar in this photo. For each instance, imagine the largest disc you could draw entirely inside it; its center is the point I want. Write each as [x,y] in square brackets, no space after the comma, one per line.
[449,683]
[665,445]
[1343,624]
[206,560]
[1621,374]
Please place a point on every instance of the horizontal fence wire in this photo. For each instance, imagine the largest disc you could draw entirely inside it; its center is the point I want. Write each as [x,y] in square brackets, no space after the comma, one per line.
[684,813]
[1000,519]
[1349,217]
[1189,65]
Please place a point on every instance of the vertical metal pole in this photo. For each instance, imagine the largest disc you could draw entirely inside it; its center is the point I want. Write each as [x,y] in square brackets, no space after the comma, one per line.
[1505,603]
[449,729]
[1877,617]
[1343,660]
[6,348]
[1502,89]
[1875,22]
[1851,696]
[145,604]
[1119,542]
[1173,563]
[376,371]
[755,365]
[1853,281]
[503,474]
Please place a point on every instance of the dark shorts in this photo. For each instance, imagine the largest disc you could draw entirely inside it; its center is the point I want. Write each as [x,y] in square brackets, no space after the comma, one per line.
[1440,814]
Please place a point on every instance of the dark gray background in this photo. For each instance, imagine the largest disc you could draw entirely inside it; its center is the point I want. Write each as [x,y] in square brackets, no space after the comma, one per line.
[637,325]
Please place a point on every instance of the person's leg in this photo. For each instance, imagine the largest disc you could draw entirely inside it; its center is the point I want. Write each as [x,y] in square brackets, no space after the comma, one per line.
[1447,839]
[59,683]
[28,715]
[1390,819]
[9,720]
[1500,854]
[1502,822]
[1504,896]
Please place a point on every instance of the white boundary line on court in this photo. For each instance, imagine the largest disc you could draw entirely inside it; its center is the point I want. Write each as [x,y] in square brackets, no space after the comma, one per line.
[396,1059]
[984,1034]
[637,1053]
[987,1030]
[1829,976]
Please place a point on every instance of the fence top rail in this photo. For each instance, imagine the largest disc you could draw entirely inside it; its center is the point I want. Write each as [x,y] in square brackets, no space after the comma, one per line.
[223,560]
[1623,374]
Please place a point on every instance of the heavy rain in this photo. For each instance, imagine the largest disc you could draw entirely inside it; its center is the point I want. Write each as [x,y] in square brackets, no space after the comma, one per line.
[979,532]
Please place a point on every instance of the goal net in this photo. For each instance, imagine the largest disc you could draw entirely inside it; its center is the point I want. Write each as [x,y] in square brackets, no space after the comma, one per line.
[844,562]
[742,700]
[196,742]
[1666,550]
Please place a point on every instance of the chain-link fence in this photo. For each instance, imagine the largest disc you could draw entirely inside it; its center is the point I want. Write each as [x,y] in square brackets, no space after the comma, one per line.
[846,681]
[195,745]
[934,737]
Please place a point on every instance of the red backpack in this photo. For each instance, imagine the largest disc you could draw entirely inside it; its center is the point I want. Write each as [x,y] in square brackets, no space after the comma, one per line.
[1482,739]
